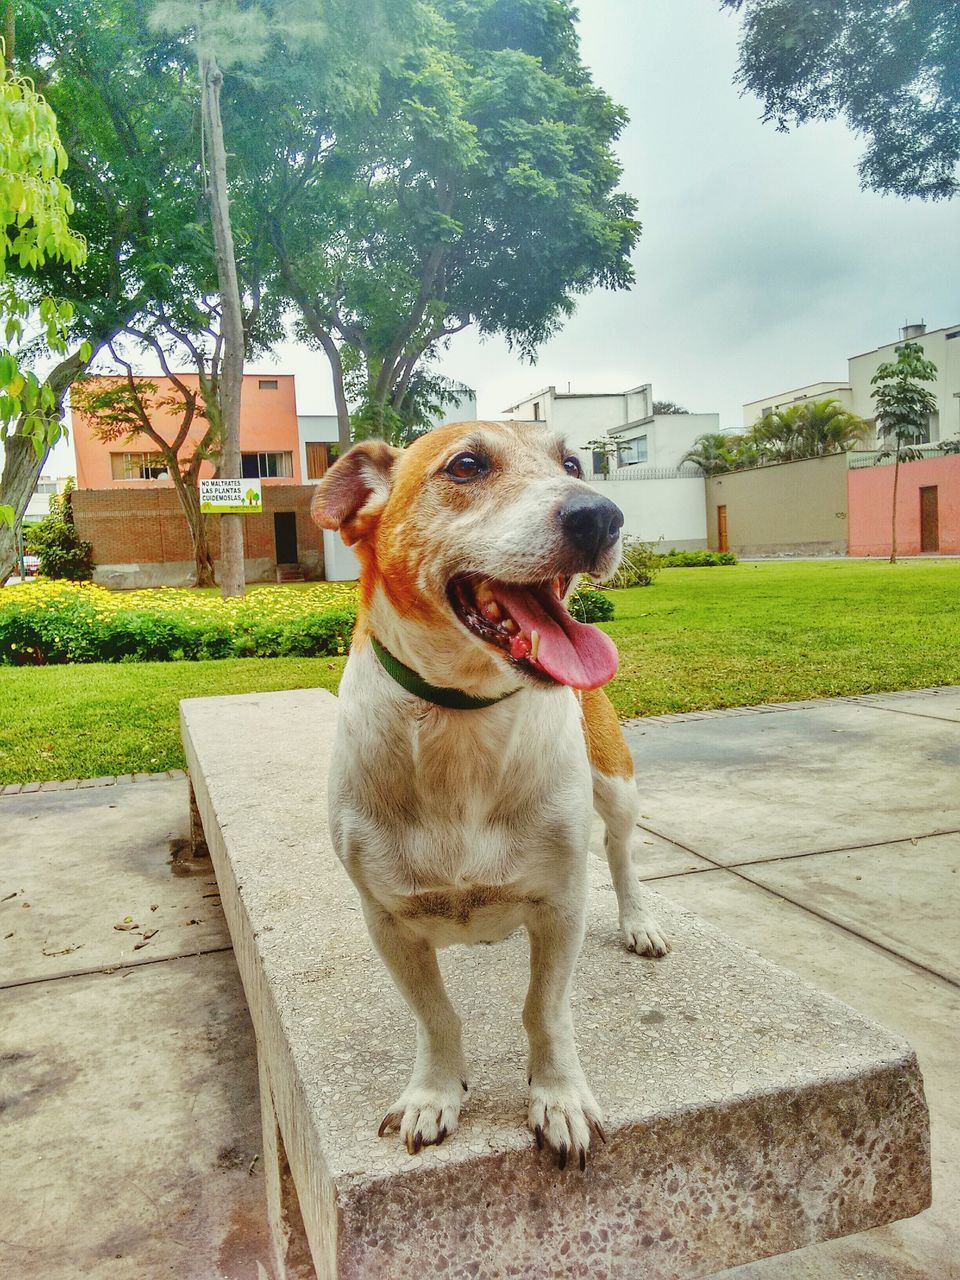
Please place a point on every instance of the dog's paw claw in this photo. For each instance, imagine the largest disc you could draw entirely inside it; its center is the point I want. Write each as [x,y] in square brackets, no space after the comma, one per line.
[562,1117]
[641,934]
[425,1116]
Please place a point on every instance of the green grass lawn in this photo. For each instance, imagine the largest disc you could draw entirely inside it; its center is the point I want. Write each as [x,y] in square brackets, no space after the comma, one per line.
[698,638]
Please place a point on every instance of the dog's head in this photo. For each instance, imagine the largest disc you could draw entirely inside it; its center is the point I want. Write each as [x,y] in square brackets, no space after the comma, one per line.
[469,541]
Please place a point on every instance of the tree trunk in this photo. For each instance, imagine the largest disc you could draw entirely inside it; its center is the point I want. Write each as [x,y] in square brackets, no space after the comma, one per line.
[9,34]
[893,526]
[189,495]
[231,375]
[22,467]
[339,392]
[21,470]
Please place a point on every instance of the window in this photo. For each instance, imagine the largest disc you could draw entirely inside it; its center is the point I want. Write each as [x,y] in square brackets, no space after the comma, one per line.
[138,466]
[631,452]
[268,384]
[46,486]
[318,459]
[266,465]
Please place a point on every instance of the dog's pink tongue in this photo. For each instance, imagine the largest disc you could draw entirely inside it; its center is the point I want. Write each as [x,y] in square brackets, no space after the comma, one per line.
[571,652]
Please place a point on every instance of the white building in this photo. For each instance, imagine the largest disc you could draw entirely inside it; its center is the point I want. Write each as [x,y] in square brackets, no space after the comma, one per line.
[318,433]
[942,346]
[661,502]
[39,505]
[626,419]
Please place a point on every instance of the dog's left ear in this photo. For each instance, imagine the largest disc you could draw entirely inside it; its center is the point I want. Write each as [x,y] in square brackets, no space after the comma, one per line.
[355,488]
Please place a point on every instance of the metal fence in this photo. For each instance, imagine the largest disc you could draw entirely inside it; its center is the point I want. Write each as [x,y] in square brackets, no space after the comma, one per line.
[883,458]
[641,472]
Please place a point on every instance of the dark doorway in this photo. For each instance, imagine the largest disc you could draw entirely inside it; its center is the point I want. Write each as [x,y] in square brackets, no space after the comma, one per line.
[285,533]
[722,544]
[929,519]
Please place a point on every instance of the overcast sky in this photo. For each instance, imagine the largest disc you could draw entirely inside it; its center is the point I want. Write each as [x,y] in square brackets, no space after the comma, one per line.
[761,266]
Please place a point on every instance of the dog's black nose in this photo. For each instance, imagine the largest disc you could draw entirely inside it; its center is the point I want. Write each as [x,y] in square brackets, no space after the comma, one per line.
[590,523]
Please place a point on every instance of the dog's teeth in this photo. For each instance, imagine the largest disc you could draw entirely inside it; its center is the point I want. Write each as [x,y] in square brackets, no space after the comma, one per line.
[483,593]
[492,611]
[509,626]
[534,644]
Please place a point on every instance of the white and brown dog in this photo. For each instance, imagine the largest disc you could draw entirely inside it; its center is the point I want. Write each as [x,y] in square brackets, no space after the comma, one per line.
[465,763]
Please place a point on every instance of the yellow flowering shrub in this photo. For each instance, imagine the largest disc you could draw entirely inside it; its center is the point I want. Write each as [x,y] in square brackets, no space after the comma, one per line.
[59,621]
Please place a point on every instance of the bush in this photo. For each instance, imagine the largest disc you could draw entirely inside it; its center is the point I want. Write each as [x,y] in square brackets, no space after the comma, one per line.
[587,605]
[54,540]
[696,559]
[639,566]
[56,623]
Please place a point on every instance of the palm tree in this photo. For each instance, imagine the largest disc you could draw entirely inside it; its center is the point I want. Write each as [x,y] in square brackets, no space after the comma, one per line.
[810,429]
[716,453]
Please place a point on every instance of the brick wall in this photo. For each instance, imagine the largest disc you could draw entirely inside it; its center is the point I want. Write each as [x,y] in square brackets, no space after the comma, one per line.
[147,527]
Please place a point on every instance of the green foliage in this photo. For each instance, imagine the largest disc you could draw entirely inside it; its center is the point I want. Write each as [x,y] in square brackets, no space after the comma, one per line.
[36,631]
[892,70]
[696,559]
[54,540]
[667,407]
[716,453]
[35,205]
[810,429]
[587,605]
[639,566]
[903,405]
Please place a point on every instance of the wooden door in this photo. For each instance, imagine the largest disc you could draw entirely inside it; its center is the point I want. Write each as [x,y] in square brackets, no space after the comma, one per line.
[317,461]
[929,519]
[722,544]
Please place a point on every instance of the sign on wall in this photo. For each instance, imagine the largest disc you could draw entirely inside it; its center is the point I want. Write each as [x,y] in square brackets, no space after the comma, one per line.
[231,497]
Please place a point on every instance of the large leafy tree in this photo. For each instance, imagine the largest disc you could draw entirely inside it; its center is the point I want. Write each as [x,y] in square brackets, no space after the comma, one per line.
[35,205]
[809,429]
[891,68]
[903,408]
[126,120]
[480,188]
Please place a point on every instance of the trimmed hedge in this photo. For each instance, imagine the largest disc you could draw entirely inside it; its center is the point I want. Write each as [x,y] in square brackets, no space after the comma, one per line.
[53,623]
[697,559]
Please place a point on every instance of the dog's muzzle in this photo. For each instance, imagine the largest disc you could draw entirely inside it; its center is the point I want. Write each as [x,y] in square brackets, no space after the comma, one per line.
[591,524]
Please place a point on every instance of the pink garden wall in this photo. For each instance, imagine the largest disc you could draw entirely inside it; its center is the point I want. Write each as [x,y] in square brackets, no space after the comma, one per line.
[869,501]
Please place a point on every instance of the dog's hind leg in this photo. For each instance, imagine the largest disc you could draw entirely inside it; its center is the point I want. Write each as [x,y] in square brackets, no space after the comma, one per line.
[428,1110]
[616,800]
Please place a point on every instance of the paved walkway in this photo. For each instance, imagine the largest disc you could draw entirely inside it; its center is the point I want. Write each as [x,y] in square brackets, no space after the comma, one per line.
[826,835]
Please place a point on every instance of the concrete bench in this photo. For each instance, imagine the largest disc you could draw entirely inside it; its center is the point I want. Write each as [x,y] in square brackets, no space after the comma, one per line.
[746,1113]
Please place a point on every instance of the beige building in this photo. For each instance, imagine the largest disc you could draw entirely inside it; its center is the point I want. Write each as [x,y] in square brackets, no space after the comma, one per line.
[942,346]
[789,509]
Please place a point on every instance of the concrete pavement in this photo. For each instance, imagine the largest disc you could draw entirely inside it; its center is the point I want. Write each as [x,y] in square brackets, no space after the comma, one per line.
[826,836]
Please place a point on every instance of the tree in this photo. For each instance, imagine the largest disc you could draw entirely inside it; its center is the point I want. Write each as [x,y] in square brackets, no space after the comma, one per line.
[809,429]
[480,189]
[891,69]
[133,407]
[125,117]
[35,206]
[715,453]
[605,449]
[668,406]
[903,409]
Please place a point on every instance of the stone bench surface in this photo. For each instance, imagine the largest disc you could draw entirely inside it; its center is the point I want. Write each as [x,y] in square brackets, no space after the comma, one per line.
[746,1113]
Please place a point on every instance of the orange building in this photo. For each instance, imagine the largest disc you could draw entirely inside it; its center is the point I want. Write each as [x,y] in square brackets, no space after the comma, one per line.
[269,438]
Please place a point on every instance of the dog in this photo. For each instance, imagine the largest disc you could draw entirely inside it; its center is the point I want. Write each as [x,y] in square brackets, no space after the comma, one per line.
[474,740]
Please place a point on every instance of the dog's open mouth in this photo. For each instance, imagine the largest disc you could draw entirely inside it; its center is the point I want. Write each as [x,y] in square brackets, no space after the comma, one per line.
[531,626]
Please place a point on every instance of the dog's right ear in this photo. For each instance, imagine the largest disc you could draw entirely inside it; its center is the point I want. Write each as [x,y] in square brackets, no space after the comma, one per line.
[355,489]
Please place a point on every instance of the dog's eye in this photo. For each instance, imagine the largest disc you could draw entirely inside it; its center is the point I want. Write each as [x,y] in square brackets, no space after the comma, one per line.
[467,466]
[572,467]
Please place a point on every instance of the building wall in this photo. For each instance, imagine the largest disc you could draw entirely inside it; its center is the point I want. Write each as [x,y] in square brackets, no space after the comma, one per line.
[796,508]
[942,346]
[268,424]
[315,428]
[669,436]
[669,511]
[141,538]
[870,491]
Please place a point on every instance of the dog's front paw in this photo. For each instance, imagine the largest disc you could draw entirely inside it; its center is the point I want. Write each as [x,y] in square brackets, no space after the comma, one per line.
[642,934]
[425,1114]
[562,1114]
